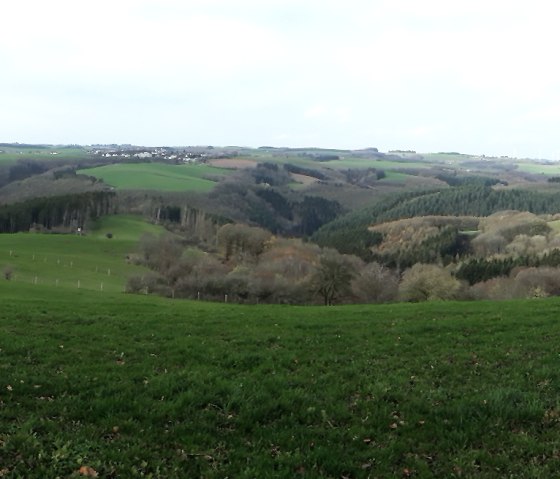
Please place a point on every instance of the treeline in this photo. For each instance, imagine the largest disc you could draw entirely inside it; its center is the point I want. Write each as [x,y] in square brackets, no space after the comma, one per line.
[477,270]
[473,201]
[55,211]
[464,201]
[472,180]
[300,170]
[252,266]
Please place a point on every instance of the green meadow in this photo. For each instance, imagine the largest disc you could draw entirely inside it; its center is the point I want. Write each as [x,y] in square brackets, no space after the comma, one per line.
[158,176]
[10,154]
[138,386]
[538,168]
[92,261]
[98,382]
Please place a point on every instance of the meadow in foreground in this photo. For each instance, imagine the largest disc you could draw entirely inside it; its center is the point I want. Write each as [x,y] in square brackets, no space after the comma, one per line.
[136,386]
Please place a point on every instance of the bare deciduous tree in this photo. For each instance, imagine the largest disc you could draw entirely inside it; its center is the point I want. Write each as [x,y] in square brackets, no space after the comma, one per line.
[375,284]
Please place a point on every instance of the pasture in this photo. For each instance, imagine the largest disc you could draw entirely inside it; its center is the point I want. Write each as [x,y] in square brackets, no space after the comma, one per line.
[92,261]
[12,153]
[158,176]
[548,169]
[137,386]
[345,163]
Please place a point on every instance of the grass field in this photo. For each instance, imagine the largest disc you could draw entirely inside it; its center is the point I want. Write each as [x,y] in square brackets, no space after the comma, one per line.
[137,386]
[140,386]
[157,176]
[10,154]
[92,261]
[537,168]
[345,163]
[341,164]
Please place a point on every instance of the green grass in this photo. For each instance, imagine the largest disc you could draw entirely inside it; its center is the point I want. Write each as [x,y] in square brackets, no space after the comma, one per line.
[345,163]
[396,177]
[158,176]
[123,228]
[342,163]
[92,262]
[136,386]
[10,154]
[546,169]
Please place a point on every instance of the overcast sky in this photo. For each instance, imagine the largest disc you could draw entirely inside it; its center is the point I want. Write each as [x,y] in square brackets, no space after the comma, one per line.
[477,76]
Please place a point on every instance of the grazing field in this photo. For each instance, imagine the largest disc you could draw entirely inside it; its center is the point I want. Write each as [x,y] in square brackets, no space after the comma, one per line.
[123,228]
[345,163]
[549,169]
[158,176]
[92,261]
[10,154]
[118,385]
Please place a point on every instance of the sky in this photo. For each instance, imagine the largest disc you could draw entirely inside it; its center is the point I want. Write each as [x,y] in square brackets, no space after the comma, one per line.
[477,76]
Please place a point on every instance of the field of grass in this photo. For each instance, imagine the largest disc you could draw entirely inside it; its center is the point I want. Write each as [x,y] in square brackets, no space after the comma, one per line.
[341,164]
[92,261]
[345,163]
[395,176]
[158,176]
[537,168]
[137,386]
[123,228]
[10,154]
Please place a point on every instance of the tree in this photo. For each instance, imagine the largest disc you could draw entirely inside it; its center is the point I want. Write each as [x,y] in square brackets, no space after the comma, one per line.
[161,253]
[375,284]
[488,244]
[332,277]
[537,282]
[425,282]
[241,241]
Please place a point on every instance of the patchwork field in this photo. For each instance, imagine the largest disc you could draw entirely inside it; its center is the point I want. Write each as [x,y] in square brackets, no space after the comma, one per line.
[158,176]
[136,386]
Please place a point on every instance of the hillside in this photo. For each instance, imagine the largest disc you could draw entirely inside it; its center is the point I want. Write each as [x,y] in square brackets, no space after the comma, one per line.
[158,176]
[91,261]
[98,383]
